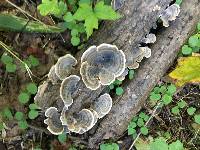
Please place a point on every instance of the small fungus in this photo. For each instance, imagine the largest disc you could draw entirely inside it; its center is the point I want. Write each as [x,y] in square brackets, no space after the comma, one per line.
[67,88]
[170,14]
[64,66]
[53,121]
[150,38]
[136,55]
[85,119]
[101,65]
[102,105]
[156,8]
[80,122]
[147,51]
[52,75]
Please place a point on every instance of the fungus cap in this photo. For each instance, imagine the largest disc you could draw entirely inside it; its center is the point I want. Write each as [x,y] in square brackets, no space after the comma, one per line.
[170,14]
[133,57]
[85,119]
[101,65]
[80,122]
[102,105]
[64,66]
[136,55]
[52,75]
[67,88]
[147,51]
[53,121]
[150,38]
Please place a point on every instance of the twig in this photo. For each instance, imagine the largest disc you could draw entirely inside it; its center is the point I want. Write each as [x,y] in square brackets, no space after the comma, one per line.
[14,55]
[152,115]
[194,136]
[23,11]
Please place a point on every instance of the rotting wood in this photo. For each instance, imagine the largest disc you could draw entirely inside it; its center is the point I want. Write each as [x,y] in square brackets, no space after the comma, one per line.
[164,52]
[138,18]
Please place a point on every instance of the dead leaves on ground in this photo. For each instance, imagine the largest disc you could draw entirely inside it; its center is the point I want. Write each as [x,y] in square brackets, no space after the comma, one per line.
[187,71]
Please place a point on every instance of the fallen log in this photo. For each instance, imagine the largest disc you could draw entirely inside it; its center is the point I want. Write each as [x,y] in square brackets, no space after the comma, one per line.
[164,52]
[138,18]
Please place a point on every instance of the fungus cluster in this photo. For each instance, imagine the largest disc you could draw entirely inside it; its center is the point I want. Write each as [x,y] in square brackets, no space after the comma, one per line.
[79,122]
[99,65]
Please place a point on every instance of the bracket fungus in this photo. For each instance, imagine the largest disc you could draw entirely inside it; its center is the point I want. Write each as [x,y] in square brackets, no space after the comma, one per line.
[80,122]
[64,66]
[147,51]
[150,38]
[85,119]
[169,14]
[67,88]
[135,56]
[101,65]
[102,105]
[53,121]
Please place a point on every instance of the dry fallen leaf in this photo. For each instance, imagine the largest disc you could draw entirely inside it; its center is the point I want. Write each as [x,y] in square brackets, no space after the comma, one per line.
[187,70]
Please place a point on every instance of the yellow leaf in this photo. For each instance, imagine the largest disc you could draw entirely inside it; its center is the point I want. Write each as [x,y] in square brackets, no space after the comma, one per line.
[187,70]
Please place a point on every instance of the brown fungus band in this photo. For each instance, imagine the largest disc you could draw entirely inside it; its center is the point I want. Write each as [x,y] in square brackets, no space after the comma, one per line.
[101,65]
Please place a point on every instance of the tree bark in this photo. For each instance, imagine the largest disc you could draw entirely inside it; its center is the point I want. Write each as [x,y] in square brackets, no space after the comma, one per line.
[164,52]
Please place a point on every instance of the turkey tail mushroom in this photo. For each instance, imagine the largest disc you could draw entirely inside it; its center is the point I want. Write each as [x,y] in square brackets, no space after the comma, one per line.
[101,65]
[150,38]
[135,56]
[80,122]
[64,66]
[53,121]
